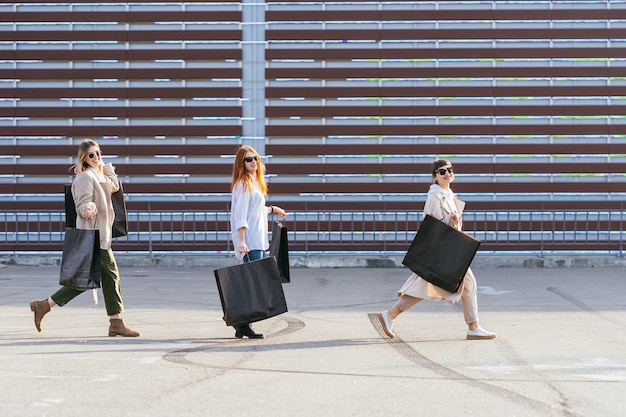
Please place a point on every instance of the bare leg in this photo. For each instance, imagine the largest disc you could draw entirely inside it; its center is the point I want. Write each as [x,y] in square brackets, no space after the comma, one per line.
[394,312]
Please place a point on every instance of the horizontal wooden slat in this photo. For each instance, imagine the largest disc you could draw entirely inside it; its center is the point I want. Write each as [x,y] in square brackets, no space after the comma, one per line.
[207,130]
[465,148]
[207,34]
[122,16]
[133,55]
[314,15]
[316,92]
[121,73]
[121,93]
[313,111]
[151,149]
[346,54]
[441,34]
[442,110]
[133,2]
[369,3]
[347,187]
[340,168]
[292,131]
[469,168]
[317,73]
[122,112]
[305,150]
[424,15]
[442,130]
[445,91]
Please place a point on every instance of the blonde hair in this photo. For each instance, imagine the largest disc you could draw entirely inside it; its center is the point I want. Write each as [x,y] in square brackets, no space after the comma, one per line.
[240,173]
[83,150]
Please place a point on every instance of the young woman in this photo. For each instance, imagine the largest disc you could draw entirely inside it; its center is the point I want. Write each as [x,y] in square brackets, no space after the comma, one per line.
[442,204]
[92,189]
[248,216]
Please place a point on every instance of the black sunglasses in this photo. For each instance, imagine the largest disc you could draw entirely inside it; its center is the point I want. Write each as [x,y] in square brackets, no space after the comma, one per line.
[251,158]
[92,155]
[442,171]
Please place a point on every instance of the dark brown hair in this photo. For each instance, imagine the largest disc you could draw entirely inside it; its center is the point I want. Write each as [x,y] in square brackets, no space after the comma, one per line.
[438,163]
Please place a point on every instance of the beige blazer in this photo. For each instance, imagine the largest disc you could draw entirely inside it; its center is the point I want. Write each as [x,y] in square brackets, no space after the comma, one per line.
[440,207]
[89,186]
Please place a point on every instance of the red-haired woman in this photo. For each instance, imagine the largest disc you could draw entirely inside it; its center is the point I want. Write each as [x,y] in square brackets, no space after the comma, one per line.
[248,216]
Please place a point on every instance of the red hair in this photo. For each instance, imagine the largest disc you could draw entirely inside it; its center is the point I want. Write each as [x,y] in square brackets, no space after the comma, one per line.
[240,173]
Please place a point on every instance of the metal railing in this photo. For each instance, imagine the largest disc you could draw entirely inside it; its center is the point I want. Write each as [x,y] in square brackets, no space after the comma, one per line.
[538,232]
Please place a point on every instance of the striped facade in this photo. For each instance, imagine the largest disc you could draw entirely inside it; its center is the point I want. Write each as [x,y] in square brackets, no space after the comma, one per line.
[349,102]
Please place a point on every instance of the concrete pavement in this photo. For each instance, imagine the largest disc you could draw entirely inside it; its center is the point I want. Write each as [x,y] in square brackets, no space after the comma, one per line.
[559,352]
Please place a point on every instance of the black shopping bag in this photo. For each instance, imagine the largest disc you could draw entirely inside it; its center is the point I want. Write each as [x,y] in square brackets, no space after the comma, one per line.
[80,265]
[251,291]
[120,225]
[441,254]
[70,207]
[279,248]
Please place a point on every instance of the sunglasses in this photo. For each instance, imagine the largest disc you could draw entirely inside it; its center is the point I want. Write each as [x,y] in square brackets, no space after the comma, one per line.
[251,158]
[93,155]
[442,171]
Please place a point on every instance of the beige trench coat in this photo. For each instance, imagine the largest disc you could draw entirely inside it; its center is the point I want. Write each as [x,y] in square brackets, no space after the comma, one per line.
[90,186]
[440,207]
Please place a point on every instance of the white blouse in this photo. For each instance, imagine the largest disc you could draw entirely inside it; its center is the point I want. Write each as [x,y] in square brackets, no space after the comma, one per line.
[248,210]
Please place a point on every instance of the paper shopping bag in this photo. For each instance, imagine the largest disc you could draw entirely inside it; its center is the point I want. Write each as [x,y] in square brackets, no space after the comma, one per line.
[441,254]
[80,265]
[251,291]
[279,248]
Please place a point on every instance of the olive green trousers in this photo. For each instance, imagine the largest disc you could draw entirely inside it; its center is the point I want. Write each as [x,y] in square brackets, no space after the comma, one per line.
[109,281]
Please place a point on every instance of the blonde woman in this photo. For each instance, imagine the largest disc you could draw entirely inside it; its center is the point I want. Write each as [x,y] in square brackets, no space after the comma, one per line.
[92,189]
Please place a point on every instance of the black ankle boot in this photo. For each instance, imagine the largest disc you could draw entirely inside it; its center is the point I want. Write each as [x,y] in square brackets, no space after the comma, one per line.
[246,330]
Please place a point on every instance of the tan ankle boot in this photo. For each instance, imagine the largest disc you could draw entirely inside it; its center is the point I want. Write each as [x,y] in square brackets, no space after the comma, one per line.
[118,328]
[40,308]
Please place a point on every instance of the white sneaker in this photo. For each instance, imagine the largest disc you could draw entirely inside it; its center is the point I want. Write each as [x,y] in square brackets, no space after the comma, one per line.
[387,323]
[479,333]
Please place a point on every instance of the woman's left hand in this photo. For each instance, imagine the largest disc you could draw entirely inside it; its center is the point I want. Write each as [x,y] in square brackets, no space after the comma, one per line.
[108,168]
[279,212]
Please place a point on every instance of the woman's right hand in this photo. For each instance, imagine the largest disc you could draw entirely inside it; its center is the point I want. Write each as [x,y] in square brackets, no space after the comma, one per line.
[242,248]
[90,210]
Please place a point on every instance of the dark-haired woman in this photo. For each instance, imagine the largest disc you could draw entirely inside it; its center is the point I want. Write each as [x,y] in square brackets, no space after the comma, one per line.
[442,204]
[249,215]
[92,189]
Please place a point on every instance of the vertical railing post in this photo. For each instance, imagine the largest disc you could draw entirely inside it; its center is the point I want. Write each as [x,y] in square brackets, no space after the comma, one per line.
[621,230]
[540,229]
[149,229]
